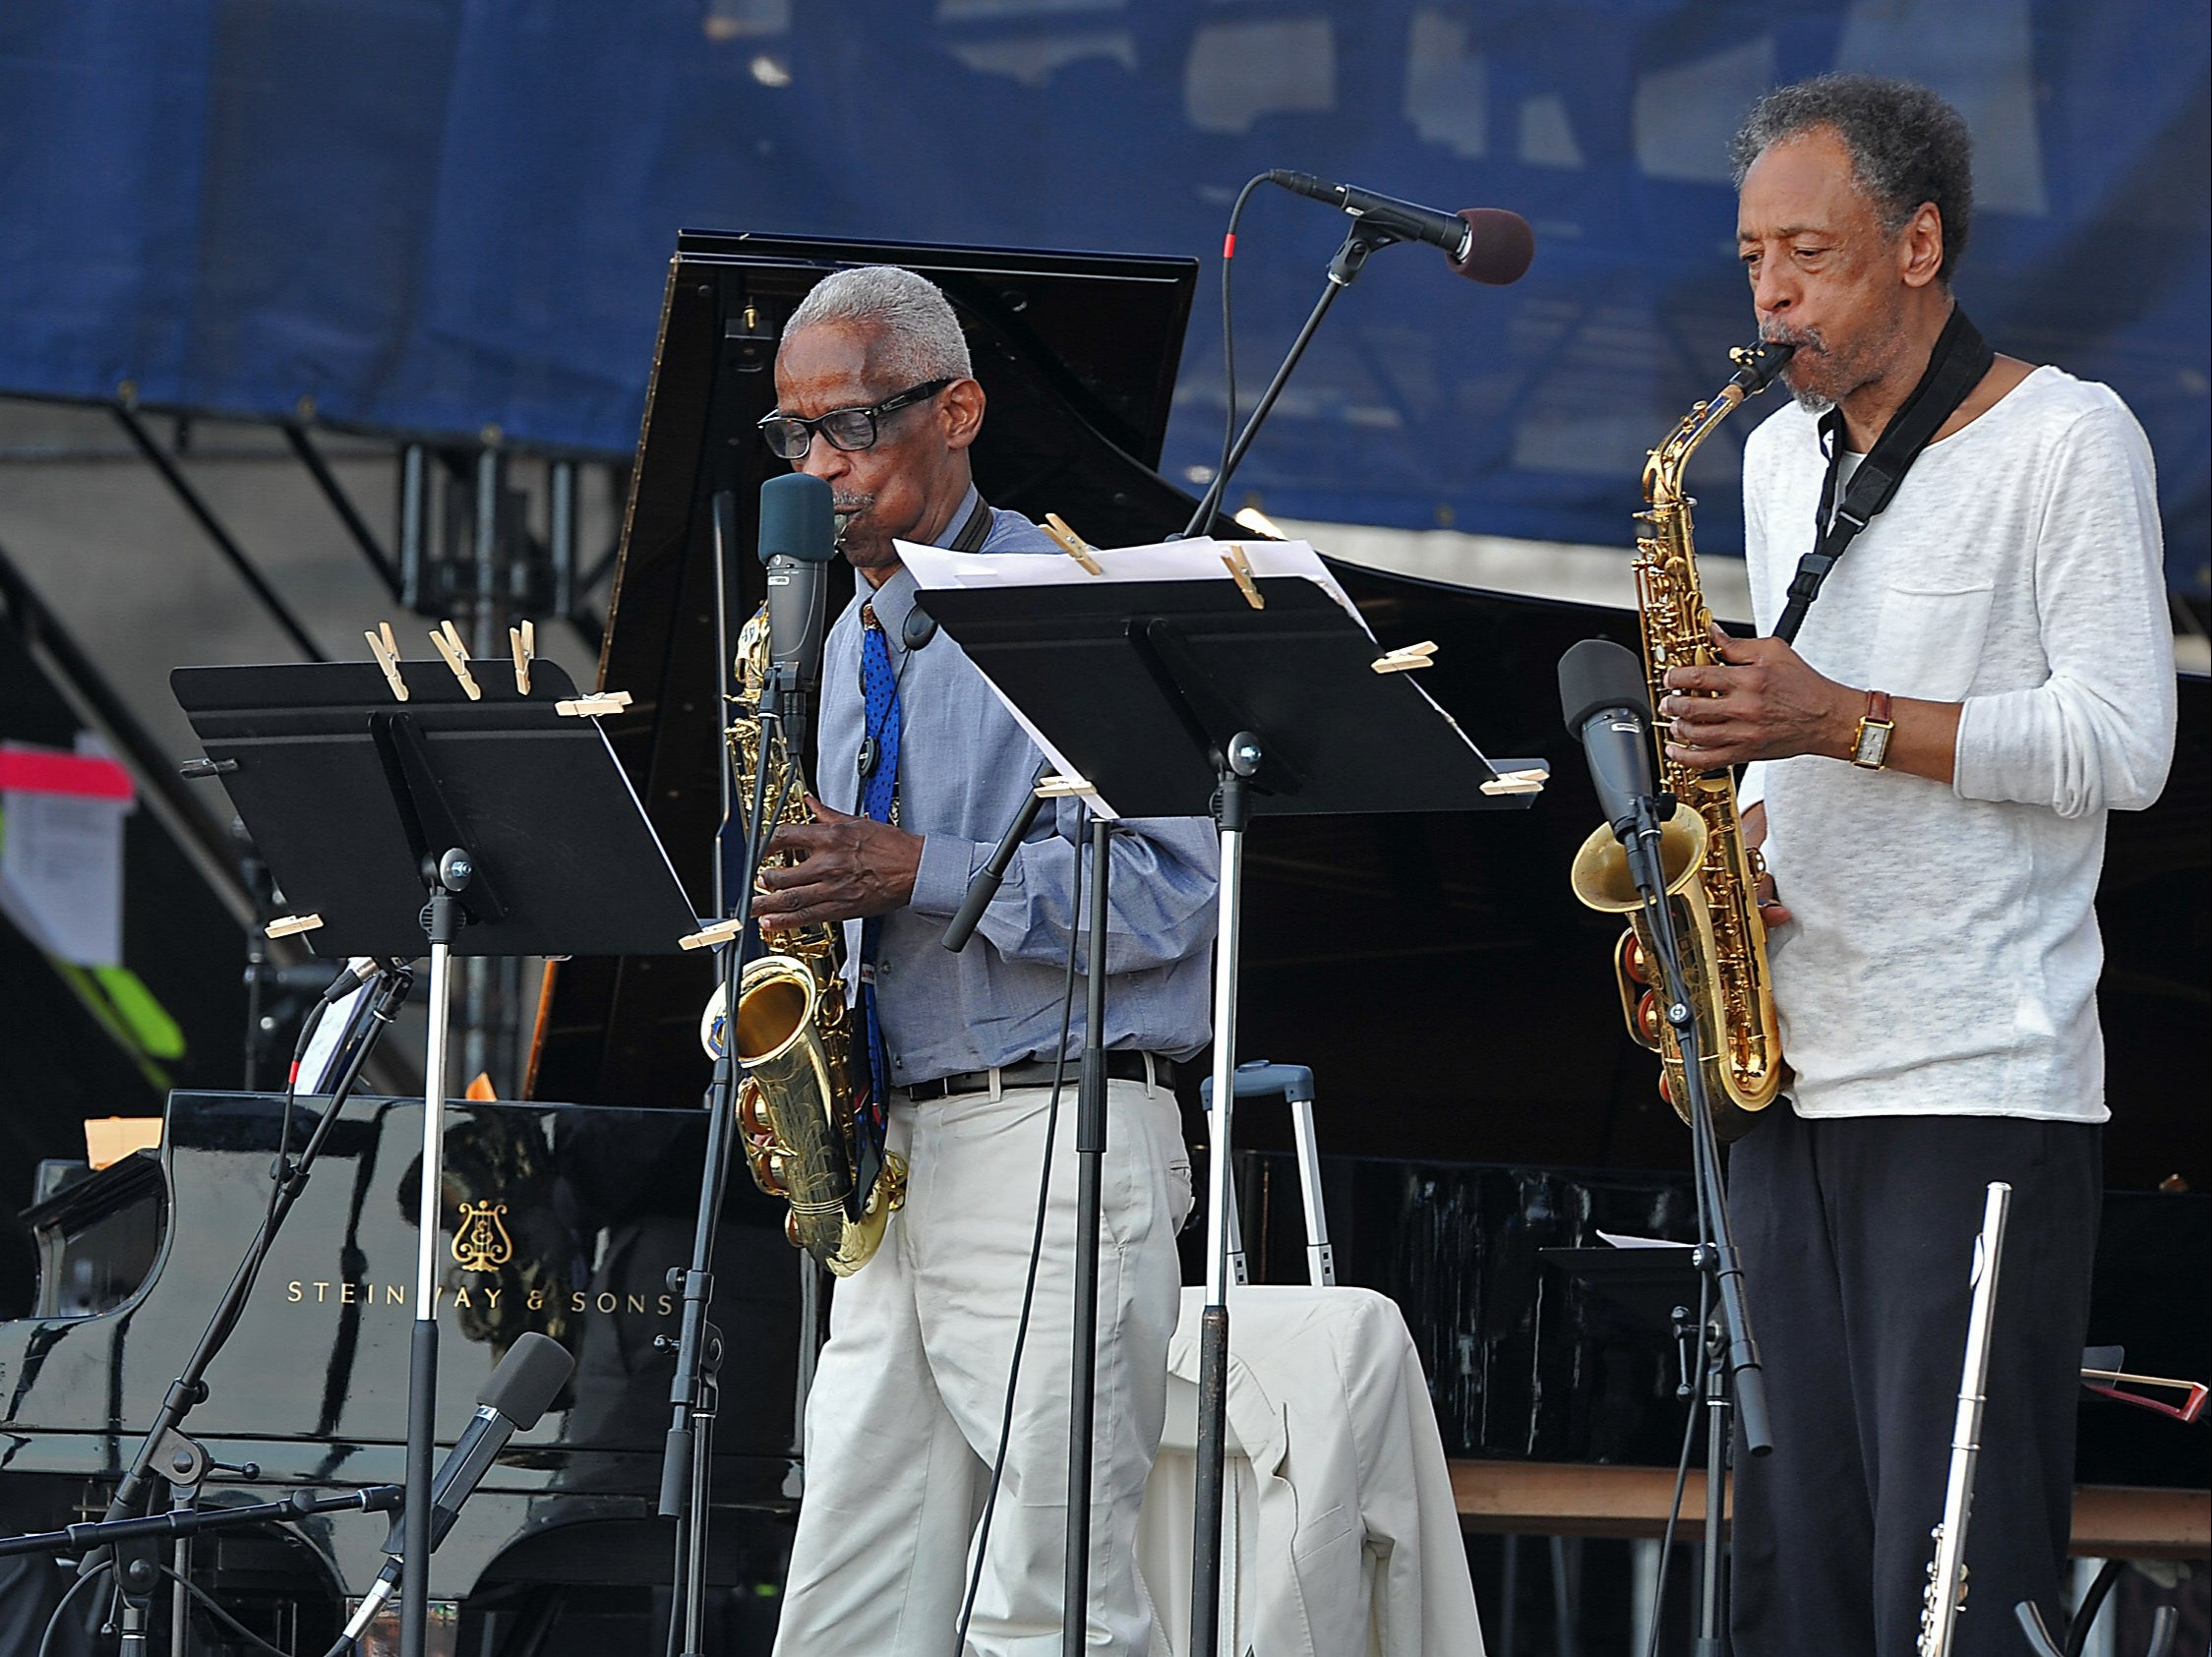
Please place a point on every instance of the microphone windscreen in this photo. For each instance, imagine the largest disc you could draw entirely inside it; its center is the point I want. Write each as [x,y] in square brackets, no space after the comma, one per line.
[798,519]
[536,1367]
[1500,248]
[1596,675]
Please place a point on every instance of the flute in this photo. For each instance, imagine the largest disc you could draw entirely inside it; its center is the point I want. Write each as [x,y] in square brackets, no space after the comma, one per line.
[1946,1572]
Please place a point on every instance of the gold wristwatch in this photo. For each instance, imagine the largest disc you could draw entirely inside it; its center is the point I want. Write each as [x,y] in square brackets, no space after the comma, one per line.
[1870,749]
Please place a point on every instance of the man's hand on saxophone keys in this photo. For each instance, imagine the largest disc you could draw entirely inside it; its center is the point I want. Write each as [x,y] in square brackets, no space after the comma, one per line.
[1761,700]
[849,867]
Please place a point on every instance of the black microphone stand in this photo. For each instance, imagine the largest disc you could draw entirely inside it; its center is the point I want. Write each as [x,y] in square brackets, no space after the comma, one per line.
[687,1458]
[190,1389]
[130,1547]
[1362,240]
[1731,1355]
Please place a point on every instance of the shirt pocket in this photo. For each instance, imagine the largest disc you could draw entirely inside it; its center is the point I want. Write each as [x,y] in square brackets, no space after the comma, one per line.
[1928,643]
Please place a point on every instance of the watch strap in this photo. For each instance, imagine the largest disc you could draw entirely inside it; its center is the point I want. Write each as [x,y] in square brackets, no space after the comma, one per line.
[1869,748]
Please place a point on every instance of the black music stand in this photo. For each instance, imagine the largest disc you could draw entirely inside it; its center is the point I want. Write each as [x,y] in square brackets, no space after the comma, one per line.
[1180,698]
[513,820]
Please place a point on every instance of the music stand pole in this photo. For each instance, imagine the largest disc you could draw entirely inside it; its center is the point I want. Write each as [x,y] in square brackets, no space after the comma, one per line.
[1233,817]
[1090,1158]
[454,871]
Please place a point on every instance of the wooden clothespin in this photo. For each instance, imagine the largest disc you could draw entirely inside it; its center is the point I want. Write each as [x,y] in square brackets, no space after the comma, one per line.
[1063,788]
[1406,658]
[385,650]
[589,707]
[448,643]
[1240,570]
[523,643]
[1529,781]
[721,932]
[285,925]
[1073,543]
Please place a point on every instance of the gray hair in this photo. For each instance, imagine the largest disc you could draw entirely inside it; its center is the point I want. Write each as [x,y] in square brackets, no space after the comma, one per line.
[914,335]
[1906,144]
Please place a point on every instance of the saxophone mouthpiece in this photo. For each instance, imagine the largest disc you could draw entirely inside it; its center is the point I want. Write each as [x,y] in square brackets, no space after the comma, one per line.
[1758,365]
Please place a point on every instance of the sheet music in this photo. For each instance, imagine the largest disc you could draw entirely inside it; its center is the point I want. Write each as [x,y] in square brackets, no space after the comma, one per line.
[1196,559]
[1199,558]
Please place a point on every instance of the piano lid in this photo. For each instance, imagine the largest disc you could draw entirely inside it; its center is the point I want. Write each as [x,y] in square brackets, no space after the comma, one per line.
[1077,353]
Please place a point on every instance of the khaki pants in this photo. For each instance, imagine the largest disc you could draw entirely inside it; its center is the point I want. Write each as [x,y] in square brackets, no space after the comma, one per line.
[907,1404]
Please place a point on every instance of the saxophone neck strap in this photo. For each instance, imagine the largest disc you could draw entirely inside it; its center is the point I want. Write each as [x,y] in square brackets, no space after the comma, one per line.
[920,627]
[975,530]
[1960,359]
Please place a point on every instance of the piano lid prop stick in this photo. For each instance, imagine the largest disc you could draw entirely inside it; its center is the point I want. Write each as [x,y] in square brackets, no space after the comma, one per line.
[459,664]
[1073,543]
[387,658]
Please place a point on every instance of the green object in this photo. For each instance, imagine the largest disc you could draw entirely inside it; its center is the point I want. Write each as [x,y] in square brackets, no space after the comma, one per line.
[151,1027]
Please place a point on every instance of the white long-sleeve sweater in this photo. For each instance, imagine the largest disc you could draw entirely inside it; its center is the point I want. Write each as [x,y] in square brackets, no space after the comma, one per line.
[1943,955]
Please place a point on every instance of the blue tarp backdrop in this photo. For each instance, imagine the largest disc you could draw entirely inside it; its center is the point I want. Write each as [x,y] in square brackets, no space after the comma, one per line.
[439,215]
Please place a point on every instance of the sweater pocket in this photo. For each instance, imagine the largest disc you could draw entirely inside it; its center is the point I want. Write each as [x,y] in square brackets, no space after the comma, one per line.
[1928,643]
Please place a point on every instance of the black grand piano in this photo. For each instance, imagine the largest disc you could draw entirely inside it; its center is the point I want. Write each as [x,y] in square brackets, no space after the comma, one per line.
[1477,1100]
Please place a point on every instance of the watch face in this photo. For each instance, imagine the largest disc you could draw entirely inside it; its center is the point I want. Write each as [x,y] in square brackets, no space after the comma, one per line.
[1874,745]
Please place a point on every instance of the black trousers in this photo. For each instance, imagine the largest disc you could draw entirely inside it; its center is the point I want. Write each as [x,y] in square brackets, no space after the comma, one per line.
[1857,1237]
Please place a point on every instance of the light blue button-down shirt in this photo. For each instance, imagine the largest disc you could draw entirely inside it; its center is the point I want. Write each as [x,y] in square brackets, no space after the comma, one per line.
[964,767]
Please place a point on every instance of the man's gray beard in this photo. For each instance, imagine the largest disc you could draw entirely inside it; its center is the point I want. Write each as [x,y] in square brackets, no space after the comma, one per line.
[1811,401]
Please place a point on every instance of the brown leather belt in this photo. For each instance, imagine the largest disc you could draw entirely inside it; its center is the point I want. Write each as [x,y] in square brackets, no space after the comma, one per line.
[1121,1066]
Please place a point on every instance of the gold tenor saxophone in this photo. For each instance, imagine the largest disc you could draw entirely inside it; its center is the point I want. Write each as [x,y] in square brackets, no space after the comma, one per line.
[795,1032]
[1709,869]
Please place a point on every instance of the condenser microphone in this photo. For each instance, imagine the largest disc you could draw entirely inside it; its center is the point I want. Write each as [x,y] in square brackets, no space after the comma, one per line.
[1485,244]
[797,539]
[1602,696]
[535,1369]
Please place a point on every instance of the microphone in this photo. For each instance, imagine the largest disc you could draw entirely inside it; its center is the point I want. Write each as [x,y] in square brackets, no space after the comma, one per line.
[1603,699]
[535,1368]
[1485,244]
[797,539]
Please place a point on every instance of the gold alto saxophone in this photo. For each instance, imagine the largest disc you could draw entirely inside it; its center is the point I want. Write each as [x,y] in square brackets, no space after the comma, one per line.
[1707,866]
[795,1032]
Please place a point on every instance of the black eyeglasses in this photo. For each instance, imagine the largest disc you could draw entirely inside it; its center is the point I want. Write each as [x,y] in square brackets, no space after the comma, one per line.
[850,429]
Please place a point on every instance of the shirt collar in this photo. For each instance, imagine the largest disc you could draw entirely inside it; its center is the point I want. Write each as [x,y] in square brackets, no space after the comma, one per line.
[894,601]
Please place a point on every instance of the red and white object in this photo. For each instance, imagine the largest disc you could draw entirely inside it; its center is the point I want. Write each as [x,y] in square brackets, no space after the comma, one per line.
[61,850]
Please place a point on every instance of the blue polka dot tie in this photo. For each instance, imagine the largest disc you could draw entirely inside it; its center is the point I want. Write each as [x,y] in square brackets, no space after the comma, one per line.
[879,793]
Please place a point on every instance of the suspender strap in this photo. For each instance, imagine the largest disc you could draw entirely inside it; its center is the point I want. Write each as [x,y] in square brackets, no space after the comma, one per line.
[1960,359]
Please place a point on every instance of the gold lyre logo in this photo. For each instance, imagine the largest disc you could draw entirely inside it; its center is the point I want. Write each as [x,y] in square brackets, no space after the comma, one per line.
[480,1241]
